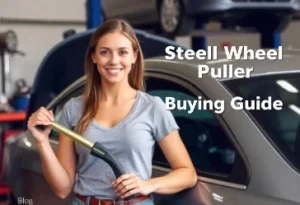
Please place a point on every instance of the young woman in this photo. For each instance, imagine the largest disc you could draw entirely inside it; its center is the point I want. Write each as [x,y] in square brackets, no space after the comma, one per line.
[115,111]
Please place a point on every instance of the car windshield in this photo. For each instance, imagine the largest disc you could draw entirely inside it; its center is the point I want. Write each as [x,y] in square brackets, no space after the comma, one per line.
[282,126]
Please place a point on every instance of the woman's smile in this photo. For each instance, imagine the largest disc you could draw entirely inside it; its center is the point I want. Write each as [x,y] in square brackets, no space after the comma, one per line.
[114,71]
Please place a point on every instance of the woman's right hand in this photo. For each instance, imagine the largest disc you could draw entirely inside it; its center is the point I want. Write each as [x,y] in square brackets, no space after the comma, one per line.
[41,117]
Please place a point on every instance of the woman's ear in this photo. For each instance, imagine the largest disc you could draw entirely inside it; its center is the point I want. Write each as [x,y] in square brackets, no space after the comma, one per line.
[135,55]
[93,58]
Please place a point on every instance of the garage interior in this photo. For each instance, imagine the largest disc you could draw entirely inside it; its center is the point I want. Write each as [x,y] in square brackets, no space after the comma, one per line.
[30,29]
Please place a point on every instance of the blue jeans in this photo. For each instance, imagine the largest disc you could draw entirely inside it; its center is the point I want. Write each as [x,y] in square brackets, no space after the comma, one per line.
[77,201]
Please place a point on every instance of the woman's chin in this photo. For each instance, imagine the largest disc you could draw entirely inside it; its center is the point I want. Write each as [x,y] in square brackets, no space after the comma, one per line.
[113,80]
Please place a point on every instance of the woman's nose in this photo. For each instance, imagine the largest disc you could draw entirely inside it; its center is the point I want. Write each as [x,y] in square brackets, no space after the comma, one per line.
[114,59]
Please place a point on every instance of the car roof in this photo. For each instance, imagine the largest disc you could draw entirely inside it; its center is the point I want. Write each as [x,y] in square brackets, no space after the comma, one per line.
[289,63]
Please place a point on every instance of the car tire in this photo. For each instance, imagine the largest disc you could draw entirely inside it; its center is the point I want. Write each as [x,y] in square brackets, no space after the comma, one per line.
[174,10]
[271,23]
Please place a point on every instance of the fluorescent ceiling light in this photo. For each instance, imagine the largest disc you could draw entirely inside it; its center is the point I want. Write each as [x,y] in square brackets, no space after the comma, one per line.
[287,86]
[295,108]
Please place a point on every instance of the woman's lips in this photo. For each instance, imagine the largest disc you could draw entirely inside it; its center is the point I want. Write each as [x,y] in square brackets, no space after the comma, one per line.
[114,70]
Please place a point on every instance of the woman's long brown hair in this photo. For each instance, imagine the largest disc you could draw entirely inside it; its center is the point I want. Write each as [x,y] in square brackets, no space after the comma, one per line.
[93,79]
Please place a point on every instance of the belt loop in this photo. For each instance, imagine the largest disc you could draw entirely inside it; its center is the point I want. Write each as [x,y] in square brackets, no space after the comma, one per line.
[121,202]
[88,199]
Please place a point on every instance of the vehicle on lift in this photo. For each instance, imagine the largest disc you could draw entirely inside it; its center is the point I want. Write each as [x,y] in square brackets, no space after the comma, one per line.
[241,157]
[180,17]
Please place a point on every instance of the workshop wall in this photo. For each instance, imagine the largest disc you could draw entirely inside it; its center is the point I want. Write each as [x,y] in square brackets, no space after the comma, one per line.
[47,10]
[39,26]
[289,38]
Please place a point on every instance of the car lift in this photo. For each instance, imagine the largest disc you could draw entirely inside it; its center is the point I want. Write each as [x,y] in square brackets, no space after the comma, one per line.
[267,40]
[94,13]
[94,19]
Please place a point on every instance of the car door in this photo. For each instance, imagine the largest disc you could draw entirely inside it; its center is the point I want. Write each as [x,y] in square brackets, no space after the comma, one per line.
[221,170]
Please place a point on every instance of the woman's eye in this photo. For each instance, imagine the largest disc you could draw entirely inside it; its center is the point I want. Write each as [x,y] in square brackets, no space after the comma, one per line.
[123,52]
[103,53]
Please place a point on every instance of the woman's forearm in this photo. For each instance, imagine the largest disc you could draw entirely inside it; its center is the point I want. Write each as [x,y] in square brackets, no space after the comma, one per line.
[54,172]
[174,181]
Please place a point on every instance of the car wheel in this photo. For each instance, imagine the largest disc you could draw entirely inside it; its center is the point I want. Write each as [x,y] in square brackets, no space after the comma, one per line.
[271,23]
[173,20]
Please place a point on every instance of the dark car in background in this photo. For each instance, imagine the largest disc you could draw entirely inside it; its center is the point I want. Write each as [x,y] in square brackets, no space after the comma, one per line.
[180,17]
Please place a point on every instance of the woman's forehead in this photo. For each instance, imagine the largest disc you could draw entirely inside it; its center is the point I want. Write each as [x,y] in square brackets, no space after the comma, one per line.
[114,40]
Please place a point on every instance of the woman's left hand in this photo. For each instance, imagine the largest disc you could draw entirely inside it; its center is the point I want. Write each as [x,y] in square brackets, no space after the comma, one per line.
[129,184]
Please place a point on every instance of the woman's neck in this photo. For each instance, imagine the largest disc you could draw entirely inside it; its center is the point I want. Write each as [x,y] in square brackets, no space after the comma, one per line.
[116,93]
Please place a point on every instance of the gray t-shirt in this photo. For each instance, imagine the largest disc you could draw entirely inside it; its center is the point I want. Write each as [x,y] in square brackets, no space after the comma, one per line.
[131,141]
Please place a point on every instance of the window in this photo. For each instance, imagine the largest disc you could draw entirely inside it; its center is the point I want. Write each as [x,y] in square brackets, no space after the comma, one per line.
[281,127]
[208,144]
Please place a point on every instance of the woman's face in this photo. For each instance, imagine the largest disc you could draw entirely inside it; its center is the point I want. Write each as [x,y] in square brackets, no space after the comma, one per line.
[114,56]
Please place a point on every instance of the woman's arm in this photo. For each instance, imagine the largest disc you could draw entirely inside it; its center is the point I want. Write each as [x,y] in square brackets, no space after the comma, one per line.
[183,174]
[59,169]
[181,177]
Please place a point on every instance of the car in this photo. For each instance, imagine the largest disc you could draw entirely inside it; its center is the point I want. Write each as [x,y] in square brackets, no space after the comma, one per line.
[179,17]
[242,156]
